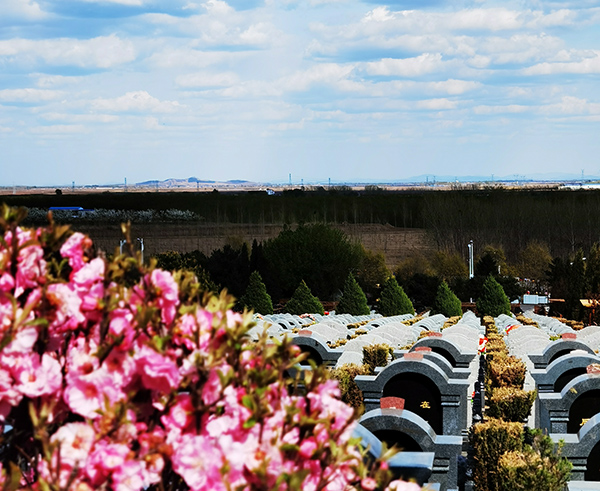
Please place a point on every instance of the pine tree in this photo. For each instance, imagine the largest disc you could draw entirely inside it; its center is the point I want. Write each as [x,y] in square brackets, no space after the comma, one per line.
[493,300]
[446,302]
[303,302]
[256,297]
[354,300]
[393,300]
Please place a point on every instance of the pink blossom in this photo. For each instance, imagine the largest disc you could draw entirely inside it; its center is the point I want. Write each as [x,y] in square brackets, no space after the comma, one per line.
[68,315]
[23,341]
[35,379]
[73,249]
[105,459]
[199,463]
[158,372]
[403,486]
[87,395]
[368,484]
[308,448]
[7,282]
[90,273]
[180,414]
[168,294]
[31,268]
[75,441]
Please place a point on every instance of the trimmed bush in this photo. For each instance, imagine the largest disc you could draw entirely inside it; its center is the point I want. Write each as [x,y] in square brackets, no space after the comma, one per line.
[493,301]
[304,302]
[510,404]
[393,300]
[489,441]
[538,467]
[353,301]
[446,302]
[351,394]
[506,371]
[256,297]
[376,355]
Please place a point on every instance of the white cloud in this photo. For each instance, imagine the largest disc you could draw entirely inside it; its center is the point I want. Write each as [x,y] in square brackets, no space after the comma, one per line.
[80,118]
[29,95]
[511,108]
[436,104]
[324,73]
[454,87]
[59,129]
[22,9]
[139,101]
[188,57]
[573,105]
[590,64]
[100,52]
[406,67]
[205,79]
[131,3]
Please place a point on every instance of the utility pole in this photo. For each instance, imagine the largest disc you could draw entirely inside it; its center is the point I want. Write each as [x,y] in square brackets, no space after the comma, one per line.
[471,265]
[141,241]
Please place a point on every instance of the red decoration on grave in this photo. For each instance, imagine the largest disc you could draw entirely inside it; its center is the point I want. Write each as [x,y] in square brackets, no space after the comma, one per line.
[304,332]
[391,403]
[593,369]
[434,335]
[413,355]
[424,349]
[569,335]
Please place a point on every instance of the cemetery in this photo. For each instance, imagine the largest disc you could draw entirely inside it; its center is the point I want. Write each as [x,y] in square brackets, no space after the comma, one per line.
[430,392]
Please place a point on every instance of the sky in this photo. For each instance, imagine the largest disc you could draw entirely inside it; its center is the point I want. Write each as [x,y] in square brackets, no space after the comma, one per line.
[99,91]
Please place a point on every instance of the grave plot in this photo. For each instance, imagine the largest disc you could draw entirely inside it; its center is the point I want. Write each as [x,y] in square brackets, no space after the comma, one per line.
[570,409]
[412,433]
[426,390]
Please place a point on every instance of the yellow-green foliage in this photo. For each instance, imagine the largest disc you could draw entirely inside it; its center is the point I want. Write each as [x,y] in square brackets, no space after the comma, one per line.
[510,404]
[489,441]
[526,321]
[575,325]
[451,321]
[351,394]
[506,371]
[537,467]
[496,345]
[488,322]
[414,320]
[377,355]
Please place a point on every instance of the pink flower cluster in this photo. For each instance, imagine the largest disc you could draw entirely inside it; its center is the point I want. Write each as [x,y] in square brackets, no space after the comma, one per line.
[119,377]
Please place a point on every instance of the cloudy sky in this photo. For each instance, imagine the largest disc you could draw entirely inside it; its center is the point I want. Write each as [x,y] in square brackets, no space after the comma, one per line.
[96,91]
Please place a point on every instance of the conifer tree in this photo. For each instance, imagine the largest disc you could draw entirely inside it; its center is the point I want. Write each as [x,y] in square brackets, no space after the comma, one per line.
[393,300]
[493,301]
[303,302]
[354,300]
[256,297]
[446,302]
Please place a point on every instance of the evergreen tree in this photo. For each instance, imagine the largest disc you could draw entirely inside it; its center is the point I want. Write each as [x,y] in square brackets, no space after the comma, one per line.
[256,297]
[446,302]
[393,300]
[353,301]
[493,301]
[303,302]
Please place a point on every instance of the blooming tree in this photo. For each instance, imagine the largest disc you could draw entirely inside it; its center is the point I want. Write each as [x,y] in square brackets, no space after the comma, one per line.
[117,376]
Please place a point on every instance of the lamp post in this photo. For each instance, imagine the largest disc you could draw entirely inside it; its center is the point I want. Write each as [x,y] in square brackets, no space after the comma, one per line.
[471,265]
[141,240]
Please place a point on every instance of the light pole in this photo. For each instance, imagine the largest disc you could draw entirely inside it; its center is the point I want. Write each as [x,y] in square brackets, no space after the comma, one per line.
[141,240]
[122,242]
[471,266]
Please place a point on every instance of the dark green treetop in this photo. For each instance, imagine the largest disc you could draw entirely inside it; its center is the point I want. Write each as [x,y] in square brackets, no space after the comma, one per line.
[393,300]
[446,302]
[353,301]
[493,301]
[303,302]
[256,297]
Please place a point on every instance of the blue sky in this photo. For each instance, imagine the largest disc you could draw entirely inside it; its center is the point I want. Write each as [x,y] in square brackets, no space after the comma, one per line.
[96,91]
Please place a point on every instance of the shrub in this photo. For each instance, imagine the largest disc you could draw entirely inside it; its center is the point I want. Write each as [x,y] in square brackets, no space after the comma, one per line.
[446,302]
[506,371]
[353,301]
[117,375]
[537,467]
[376,355]
[351,394]
[493,301]
[303,302]
[489,441]
[256,297]
[510,404]
[393,300]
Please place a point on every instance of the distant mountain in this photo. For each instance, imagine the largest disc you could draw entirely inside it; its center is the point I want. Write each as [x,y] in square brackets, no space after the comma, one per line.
[537,177]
